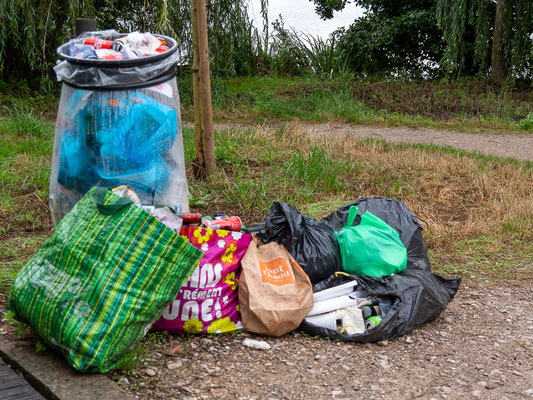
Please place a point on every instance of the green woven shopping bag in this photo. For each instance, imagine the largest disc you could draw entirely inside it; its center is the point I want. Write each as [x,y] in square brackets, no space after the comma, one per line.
[100,281]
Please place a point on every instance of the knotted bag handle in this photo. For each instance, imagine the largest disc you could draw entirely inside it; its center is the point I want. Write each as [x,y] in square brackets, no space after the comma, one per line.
[354,210]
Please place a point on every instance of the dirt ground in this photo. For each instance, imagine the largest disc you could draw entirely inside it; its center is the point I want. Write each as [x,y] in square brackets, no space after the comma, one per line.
[519,146]
[480,347]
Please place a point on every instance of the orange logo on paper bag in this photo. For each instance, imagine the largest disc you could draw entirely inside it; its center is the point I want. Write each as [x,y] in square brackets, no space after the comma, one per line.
[277,272]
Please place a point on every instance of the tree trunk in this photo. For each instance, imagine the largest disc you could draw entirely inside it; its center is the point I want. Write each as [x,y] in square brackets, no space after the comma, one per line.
[199,162]
[205,91]
[499,68]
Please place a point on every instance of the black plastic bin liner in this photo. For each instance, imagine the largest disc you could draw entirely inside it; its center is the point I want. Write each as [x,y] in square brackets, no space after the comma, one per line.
[116,74]
[396,214]
[411,299]
[312,243]
[118,123]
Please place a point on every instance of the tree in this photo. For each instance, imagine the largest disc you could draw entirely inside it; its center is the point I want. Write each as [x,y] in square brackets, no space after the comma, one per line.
[31,30]
[500,34]
[464,37]
[393,37]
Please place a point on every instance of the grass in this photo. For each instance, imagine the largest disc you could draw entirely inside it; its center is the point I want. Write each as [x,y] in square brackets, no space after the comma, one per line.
[477,210]
[469,105]
[27,141]
[463,198]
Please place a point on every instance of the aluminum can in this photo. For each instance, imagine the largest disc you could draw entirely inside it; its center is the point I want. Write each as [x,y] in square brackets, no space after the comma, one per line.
[191,218]
[161,49]
[373,321]
[82,51]
[229,223]
[98,43]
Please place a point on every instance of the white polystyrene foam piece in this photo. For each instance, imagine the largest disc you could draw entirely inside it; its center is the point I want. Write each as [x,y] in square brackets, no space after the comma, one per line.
[336,291]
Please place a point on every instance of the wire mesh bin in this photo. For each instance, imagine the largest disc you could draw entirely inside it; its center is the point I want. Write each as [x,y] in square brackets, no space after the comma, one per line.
[118,123]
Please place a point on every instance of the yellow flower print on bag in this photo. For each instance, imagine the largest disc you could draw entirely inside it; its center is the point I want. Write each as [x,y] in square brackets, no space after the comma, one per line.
[228,258]
[201,235]
[221,233]
[221,325]
[230,280]
[193,325]
[207,301]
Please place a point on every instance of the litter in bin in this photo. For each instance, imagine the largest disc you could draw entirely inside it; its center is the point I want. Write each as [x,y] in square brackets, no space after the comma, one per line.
[118,122]
[132,46]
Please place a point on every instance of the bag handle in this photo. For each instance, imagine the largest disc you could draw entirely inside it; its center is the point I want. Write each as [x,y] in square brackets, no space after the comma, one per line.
[109,209]
[354,210]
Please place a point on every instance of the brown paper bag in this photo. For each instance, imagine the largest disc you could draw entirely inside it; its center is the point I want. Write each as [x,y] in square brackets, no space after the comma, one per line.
[275,294]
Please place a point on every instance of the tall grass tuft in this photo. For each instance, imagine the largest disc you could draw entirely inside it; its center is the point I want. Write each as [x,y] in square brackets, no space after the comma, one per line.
[322,54]
[318,169]
[23,121]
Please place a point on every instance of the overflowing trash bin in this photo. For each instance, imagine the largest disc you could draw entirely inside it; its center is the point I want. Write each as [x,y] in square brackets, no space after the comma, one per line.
[133,258]
[118,121]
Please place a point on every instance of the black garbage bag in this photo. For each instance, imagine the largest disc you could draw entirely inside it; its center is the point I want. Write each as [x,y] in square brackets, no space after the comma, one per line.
[312,243]
[407,300]
[396,214]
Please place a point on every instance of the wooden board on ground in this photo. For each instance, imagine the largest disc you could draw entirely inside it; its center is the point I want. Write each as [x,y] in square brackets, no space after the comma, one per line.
[14,387]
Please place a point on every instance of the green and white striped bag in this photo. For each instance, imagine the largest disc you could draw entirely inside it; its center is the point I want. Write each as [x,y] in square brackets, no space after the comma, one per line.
[100,281]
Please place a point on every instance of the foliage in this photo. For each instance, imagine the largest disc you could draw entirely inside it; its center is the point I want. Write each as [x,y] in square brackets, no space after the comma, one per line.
[323,55]
[380,44]
[527,123]
[325,8]
[297,54]
[393,38]
[416,37]
[468,27]
[286,55]
[31,30]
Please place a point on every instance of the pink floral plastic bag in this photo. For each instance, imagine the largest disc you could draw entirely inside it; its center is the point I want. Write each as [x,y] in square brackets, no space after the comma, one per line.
[209,301]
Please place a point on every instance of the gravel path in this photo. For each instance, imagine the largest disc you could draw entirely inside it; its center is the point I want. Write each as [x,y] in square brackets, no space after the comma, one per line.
[481,347]
[519,146]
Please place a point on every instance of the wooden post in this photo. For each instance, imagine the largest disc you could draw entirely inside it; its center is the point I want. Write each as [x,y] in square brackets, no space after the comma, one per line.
[199,162]
[205,90]
[85,25]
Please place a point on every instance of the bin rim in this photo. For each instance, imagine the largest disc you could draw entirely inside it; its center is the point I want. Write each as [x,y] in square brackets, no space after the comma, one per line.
[61,52]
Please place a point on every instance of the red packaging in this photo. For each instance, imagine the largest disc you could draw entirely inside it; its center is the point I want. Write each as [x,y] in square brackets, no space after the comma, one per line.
[191,218]
[228,223]
[161,49]
[115,56]
[98,43]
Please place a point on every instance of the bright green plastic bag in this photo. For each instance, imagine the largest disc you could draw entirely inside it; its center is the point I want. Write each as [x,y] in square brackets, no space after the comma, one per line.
[371,248]
[105,275]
